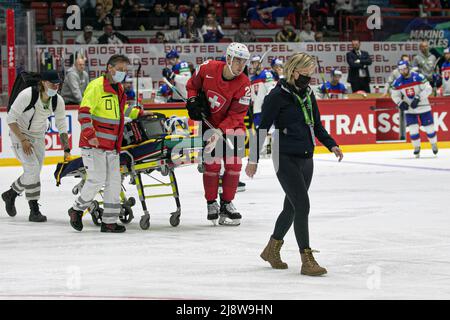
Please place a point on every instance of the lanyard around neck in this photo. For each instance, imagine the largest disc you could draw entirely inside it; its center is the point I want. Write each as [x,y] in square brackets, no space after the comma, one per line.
[309,119]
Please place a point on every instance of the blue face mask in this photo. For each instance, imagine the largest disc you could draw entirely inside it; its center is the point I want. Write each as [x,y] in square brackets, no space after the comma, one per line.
[51,92]
[119,76]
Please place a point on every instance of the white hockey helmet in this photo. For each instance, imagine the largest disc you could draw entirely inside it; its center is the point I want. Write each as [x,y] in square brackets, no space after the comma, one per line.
[237,50]
[177,126]
[256,58]
[240,50]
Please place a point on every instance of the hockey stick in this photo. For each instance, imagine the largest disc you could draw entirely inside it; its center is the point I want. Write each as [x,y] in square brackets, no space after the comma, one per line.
[138,71]
[322,76]
[264,55]
[219,133]
[374,108]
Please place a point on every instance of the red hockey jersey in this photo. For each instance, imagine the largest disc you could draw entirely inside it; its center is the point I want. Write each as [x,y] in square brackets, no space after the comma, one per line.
[228,99]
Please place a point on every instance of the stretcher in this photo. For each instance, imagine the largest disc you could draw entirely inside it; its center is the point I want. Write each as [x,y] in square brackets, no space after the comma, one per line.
[148,158]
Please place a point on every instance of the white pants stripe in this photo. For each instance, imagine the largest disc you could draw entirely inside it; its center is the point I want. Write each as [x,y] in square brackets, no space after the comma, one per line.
[29,181]
[103,170]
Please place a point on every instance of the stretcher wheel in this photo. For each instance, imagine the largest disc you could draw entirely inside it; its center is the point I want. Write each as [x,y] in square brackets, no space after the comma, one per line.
[145,222]
[175,220]
[131,201]
[164,170]
[97,216]
[127,216]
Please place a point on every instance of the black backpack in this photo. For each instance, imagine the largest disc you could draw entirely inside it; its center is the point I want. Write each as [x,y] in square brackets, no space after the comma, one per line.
[23,81]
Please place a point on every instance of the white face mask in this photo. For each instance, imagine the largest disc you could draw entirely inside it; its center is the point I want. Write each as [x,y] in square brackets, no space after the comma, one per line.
[119,76]
[51,92]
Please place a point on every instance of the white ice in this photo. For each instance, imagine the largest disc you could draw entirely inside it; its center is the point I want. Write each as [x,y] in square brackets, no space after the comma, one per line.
[381,221]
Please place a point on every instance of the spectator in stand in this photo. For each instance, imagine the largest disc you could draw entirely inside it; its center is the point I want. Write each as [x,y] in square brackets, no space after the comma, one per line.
[287,34]
[159,38]
[102,17]
[319,36]
[359,62]
[189,33]
[87,36]
[125,5]
[343,8]
[136,19]
[75,82]
[112,37]
[173,15]
[244,34]
[117,19]
[211,30]
[307,35]
[198,12]
[158,18]
[87,7]
[106,4]
[319,10]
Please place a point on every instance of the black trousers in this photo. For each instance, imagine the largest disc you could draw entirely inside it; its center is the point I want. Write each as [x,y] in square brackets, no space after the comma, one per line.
[362,84]
[295,175]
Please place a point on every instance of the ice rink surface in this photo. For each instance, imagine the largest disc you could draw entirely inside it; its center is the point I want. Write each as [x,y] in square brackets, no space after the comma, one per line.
[380,219]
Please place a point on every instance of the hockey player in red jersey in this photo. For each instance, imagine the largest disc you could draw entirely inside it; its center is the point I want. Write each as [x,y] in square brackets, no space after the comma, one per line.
[220,92]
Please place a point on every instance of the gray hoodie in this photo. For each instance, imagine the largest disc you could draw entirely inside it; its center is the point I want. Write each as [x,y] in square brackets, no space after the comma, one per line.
[74,85]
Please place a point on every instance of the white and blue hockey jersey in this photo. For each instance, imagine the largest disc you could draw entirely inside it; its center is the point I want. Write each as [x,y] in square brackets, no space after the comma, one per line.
[406,89]
[182,75]
[261,84]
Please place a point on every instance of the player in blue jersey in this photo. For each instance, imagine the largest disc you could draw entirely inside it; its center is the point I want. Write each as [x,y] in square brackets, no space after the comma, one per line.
[333,89]
[178,73]
[277,69]
[262,81]
[410,92]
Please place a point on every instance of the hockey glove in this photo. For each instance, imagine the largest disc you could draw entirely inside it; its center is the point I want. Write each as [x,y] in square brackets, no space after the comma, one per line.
[403,106]
[198,107]
[415,102]
[168,74]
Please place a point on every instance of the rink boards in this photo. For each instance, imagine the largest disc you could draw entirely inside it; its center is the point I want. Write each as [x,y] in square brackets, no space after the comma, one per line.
[356,124]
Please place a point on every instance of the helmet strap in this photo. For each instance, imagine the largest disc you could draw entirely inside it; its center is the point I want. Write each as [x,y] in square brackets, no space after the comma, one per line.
[229,67]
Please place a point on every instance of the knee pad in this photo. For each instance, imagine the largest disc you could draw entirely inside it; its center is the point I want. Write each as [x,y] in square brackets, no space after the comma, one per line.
[414,131]
[212,168]
[233,166]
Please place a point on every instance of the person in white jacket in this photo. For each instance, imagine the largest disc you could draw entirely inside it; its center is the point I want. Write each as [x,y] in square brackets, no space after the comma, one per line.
[28,124]
[410,93]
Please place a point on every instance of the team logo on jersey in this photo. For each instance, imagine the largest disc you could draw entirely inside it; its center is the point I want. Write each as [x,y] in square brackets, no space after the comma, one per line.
[215,100]
[410,93]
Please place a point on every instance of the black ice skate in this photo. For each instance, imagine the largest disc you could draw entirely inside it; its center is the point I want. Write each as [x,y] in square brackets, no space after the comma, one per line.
[76,219]
[213,212]
[10,197]
[35,214]
[112,228]
[434,147]
[229,216]
[417,152]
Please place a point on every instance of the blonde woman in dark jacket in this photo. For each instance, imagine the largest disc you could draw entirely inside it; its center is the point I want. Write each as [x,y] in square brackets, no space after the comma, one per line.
[292,108]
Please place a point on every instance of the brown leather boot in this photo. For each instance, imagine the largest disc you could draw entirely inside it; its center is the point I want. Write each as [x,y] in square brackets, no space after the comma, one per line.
[271,254]
[310,267]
